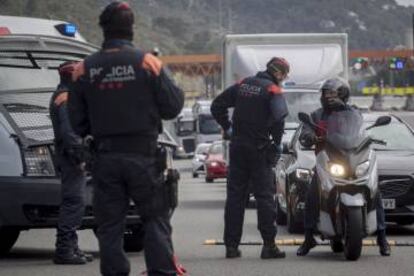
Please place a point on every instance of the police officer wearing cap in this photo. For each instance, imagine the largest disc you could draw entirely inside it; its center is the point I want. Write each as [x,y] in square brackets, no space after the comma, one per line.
[255,134]
[121,95]
[69,154]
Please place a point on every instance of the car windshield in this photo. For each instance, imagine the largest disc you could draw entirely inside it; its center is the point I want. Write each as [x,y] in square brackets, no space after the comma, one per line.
[288,135]
[396,134]
[208,125]
[201,149]
[216,148]
[345,129]
[185,128]
[301,101]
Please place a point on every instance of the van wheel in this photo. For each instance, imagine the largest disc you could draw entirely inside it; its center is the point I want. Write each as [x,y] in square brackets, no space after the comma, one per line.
[195,175]
[8,237]
[209,180]
[134,239]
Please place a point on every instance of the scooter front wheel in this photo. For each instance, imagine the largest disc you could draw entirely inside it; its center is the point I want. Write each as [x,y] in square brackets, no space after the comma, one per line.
[353,233]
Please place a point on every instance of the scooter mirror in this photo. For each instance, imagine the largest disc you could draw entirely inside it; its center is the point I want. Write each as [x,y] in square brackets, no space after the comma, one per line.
[304,118]
[381,121]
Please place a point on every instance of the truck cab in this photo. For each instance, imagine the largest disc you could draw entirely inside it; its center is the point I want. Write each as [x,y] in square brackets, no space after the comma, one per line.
[207,130]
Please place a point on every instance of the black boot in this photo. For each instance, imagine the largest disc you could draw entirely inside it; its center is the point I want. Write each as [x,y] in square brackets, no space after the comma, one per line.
[271,251]
[384,247]
[69,259]
[307,245]
[87,256]
[232,252]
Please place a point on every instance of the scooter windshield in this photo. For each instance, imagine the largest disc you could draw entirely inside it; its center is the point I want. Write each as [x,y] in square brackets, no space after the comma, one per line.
[345,129]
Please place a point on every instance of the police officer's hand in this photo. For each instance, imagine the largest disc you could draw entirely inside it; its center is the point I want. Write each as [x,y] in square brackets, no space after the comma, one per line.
[227,133]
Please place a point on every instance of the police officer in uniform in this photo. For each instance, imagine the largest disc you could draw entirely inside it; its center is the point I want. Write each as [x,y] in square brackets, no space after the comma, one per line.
[259,112]
[334,97]
[120,97]
[69,155]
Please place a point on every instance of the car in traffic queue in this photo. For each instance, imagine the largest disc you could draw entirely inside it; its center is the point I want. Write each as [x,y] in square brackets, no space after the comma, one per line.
[215,165]
[31,51]
[198,161]
[395,172]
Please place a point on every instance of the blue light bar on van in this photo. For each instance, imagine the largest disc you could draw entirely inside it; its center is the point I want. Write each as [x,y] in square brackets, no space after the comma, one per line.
[67,29]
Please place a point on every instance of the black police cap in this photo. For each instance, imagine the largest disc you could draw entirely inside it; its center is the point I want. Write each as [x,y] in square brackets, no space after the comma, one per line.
[117,16]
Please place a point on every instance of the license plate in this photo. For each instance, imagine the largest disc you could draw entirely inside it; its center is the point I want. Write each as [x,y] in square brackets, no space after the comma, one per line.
[388,203]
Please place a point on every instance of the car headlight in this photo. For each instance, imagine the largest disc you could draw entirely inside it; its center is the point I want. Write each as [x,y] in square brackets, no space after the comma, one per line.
[38,162]
[214,164]
[337,170]
[362,169]
[303,174]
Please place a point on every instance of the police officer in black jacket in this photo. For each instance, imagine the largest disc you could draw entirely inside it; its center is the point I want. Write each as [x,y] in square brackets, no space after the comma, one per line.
[69,152]
[259,112]
[334,97]
[120,97]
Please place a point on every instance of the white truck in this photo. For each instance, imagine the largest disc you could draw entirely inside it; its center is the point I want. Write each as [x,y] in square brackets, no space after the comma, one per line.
[207,130]
[182,132]
[313,58]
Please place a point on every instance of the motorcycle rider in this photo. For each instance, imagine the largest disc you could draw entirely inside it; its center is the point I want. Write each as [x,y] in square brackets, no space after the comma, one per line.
[334,97]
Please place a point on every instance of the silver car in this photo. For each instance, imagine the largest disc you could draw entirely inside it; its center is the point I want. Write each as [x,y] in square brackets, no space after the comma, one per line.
[199,158]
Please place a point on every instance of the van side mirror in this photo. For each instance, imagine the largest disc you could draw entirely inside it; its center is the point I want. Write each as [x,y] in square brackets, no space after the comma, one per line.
[381,121]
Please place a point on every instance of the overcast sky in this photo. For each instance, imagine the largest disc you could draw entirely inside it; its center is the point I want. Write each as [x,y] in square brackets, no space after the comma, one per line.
[405,2]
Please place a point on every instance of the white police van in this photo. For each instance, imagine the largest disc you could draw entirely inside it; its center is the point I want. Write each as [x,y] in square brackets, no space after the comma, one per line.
[31,50]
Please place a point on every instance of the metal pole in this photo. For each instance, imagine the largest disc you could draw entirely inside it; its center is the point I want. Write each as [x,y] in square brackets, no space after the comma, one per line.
[297,242]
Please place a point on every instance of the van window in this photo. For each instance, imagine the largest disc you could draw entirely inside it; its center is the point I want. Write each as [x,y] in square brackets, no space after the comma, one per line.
[21,70]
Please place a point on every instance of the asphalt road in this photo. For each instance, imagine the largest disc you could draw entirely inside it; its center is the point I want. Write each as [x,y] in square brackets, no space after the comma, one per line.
[200,217]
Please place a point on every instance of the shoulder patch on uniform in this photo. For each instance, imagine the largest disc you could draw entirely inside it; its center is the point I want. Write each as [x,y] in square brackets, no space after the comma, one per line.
[152,63]
[78,70]
[62,98]
[274,89]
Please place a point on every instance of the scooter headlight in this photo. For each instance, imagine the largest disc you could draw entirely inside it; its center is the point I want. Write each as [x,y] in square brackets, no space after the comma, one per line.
[337,170]
[362,169]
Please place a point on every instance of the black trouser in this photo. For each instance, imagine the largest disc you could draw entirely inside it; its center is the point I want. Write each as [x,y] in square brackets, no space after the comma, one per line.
[248,164]
[312,207]
[72,207]
[117,178]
